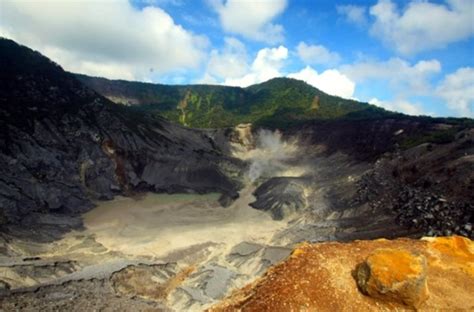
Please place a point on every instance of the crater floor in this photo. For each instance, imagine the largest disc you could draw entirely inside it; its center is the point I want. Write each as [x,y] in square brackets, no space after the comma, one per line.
[159,224]
[188,241]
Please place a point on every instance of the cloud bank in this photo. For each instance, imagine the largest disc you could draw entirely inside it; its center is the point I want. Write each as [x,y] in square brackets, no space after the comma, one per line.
[404,78]
[422,25]
[98,38]
[457,90]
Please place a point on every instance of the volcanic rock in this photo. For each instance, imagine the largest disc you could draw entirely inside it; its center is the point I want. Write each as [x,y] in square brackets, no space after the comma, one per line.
[280,196]
[319,277]
[394,275]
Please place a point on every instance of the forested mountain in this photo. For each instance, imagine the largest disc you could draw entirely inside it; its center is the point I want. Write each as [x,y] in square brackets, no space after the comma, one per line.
[276,103]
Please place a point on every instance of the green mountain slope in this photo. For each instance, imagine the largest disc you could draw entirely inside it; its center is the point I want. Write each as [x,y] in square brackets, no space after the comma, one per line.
[277,102]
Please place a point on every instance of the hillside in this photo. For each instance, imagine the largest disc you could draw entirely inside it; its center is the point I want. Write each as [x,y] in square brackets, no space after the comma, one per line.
[277,102]
[62,146]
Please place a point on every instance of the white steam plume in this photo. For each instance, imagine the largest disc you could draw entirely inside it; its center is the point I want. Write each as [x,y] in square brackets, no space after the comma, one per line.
[270,154]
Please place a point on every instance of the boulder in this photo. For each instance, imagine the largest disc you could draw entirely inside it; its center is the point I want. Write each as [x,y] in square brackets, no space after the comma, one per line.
[394,275]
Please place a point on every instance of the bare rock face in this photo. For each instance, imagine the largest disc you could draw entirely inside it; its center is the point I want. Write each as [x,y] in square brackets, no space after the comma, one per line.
[394,275]
[280,196]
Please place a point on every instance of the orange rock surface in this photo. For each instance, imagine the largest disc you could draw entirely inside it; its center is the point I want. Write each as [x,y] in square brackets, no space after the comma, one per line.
[320,277]
[393,274]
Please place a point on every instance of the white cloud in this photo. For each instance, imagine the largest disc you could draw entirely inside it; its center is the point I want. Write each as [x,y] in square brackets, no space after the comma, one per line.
[316,54]
[207,79]
[422,25]
[401,106]
[111,39]
[231,62]
[457,89]
[267,65]
[330,81]
[404,79]
[251,19]
[353,13]
[270,59]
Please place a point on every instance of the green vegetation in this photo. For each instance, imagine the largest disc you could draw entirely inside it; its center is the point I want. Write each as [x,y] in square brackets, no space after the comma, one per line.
[279,102]
[434,134]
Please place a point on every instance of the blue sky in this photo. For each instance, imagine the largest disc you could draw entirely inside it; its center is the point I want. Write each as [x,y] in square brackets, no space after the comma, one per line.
[412,56]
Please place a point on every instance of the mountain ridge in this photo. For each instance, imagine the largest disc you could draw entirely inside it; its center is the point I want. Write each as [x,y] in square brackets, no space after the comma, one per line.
[281,103]
[212,106]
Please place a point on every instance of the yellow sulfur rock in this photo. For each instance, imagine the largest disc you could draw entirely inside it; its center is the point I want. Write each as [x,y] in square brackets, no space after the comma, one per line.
[395,275]
[456,250]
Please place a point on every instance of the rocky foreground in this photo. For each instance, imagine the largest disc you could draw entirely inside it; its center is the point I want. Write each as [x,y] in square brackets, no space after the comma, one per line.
[430,274]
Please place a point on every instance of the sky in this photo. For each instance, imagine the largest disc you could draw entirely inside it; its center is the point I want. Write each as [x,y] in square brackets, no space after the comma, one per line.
[411,56]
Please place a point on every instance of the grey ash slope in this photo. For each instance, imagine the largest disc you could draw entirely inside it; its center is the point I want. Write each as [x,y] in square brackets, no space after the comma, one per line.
[63,145]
